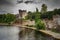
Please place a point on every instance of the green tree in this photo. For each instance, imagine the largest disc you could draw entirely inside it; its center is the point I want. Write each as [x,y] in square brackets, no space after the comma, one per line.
[55,11]
[39,24]
[58,12]
[10,17]
[44,8]
[7,18]
[37,10]
[31,15]
[48,15]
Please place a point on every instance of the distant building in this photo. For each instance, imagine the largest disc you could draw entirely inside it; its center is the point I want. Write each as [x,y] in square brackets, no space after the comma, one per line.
[22,13]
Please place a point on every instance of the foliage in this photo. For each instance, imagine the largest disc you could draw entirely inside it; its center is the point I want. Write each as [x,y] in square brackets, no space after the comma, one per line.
[30,16]
[33,15]
[56,11]
[44,8]
[39,24]
[37,10]
[48,15]
[7,18]
[38,16]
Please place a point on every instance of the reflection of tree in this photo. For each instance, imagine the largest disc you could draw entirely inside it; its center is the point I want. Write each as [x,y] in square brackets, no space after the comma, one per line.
[26,34]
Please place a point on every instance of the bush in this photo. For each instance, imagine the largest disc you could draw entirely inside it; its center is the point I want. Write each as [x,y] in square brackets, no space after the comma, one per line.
[7,18]
[48,15]
[39,25]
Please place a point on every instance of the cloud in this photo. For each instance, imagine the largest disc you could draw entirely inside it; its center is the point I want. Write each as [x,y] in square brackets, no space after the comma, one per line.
[20,1]
[29,2]
[13,7]
[8,2]
[4,2]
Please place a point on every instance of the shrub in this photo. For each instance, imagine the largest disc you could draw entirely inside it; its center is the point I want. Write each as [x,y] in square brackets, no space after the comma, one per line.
[39,25]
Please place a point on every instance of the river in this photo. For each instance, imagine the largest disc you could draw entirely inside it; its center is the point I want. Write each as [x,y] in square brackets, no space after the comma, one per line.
[16,33]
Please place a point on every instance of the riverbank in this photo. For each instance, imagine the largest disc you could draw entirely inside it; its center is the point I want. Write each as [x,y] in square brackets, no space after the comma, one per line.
[4,24]
[7,24]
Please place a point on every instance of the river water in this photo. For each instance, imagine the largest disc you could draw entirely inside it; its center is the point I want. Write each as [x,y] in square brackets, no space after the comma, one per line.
[16,33]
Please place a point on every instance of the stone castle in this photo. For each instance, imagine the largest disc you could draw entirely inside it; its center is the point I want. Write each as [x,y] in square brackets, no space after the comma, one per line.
[22,13]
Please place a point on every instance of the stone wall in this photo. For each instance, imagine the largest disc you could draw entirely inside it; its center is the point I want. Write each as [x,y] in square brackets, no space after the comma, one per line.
[53,24]
[28,22]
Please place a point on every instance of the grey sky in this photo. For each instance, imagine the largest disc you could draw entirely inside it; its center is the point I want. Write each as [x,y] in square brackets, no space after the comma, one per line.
[11,6]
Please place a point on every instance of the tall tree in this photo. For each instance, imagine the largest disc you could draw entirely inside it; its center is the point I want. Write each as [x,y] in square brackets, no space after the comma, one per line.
[37,10]
[55,11]
[44,8]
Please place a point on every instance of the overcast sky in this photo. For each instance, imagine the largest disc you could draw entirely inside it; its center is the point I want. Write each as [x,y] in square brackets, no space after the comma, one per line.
[11,6]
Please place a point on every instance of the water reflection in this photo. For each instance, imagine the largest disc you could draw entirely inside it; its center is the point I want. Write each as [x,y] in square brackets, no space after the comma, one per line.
[26,34]
[16,33]
[8,33]
[29,34]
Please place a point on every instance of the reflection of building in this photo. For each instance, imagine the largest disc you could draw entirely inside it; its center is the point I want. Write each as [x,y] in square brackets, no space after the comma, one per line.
[22,13]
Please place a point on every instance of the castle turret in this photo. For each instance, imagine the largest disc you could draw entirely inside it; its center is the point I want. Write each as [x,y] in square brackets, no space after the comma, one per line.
[22,13]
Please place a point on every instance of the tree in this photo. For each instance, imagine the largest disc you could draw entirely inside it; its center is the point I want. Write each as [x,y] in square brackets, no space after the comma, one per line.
[44,8]
[37,10]
[10,17]
[58,12]
[55,11]
[7,18]
[48,15]
[39,24]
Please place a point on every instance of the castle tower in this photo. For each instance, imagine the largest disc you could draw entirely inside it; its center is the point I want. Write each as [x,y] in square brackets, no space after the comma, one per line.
[22,13]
